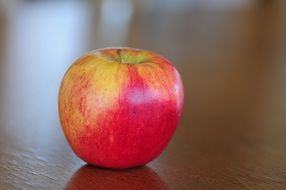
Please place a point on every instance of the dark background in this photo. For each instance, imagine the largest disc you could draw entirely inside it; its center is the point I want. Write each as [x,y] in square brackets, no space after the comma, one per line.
[231,56]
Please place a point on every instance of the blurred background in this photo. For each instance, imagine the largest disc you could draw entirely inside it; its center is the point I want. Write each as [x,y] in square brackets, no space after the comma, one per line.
[230,53]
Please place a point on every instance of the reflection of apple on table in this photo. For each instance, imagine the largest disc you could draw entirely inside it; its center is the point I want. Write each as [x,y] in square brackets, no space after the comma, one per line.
[119,107]
[90,177]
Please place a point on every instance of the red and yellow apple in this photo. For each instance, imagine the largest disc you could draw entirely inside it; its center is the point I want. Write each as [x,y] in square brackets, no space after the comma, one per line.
[119,107]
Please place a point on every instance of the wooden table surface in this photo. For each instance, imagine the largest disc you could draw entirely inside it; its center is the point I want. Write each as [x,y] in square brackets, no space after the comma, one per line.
[231,55]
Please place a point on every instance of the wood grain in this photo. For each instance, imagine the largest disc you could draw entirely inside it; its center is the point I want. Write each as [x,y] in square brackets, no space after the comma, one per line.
[232,61]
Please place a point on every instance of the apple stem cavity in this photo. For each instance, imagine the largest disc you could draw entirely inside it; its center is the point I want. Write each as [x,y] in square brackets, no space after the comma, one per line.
[124,56]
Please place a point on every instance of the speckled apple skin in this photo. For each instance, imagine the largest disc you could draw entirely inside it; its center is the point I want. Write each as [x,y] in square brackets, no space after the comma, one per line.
[117,114]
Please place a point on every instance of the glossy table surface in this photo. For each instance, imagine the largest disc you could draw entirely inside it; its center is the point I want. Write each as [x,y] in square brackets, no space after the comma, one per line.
[233,63]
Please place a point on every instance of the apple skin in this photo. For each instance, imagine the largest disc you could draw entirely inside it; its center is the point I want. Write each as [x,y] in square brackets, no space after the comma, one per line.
[119,107]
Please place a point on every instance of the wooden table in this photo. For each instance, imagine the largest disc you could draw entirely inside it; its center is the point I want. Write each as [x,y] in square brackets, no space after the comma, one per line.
[233,63]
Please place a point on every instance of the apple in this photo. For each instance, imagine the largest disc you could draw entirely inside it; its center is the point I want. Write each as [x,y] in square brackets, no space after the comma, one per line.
[120,106]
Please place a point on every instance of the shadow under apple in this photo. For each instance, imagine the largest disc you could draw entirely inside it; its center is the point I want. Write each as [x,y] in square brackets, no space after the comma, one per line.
[91,177]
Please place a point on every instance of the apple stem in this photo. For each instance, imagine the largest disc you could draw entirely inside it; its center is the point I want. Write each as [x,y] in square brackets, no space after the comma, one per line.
[119,54]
